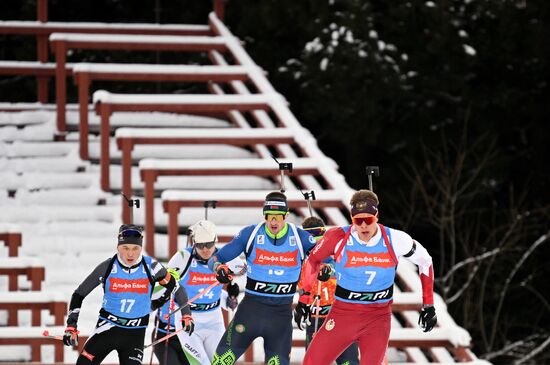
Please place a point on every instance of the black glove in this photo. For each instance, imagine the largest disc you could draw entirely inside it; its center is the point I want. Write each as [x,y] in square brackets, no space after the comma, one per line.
[70,337]
[158,303]
[188,324]
[232,290]
[223,273]
[302,313]
[427,319]
[232,302]
[324,273]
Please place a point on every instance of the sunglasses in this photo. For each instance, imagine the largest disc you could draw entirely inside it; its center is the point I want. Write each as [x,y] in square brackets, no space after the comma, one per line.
[202,245]
[133,233]
[360,220]
[316,231]
[277,217]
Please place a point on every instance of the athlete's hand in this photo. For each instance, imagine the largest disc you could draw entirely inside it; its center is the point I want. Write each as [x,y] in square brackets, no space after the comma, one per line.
[223,273]
[302,314]
[232,294]
[188,324]
[70,337]
[428,318]
[158,303]
[325,272]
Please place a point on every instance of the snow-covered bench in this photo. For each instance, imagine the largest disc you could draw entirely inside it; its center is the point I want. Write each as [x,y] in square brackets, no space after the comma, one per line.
[32,336]
[13,267]
[10,234]
[127,138]
[54,302]
[42,29]
[151,169]
[61,43]
[107,103]
[86,73]
[174,200]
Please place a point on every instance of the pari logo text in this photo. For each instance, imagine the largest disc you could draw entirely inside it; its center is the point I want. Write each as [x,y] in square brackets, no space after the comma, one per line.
[140,286]
[265,257]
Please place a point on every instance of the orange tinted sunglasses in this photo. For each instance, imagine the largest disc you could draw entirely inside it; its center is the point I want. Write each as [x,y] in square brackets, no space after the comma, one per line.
[360,220]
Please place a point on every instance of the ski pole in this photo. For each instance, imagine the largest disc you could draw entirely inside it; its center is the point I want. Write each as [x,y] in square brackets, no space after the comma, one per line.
[155,332]
[46,333]
[318,297]
[307,196]
[282,167]
[163,338]
[191,300]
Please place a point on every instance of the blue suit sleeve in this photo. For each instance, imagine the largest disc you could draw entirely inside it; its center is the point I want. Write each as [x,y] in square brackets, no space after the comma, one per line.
[233,248]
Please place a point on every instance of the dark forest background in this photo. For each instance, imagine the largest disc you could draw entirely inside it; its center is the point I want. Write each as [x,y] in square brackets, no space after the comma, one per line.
[449,98]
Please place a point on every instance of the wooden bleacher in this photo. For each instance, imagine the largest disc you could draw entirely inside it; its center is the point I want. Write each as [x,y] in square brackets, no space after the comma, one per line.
[32,268]
[174,200]
[86,73]
[128,138]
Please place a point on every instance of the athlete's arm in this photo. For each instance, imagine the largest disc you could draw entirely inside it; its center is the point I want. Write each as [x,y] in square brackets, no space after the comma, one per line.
[405,246]
[308,242]
[181,298]
[90,283]
[232,249]
[179,261]
[323,249]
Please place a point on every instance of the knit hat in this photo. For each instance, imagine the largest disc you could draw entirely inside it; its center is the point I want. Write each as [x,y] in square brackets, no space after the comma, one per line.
[275,203]
[130,234]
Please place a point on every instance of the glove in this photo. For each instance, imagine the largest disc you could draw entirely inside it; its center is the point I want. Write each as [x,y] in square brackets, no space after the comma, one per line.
[302,313]
[233,289]
[325,272]
[427,319]
[232,302]
[70,337]
[188,324]
[223,274]
[232,294]
[158,303]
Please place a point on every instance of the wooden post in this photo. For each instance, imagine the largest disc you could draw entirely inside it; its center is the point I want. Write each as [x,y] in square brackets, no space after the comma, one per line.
[173,213]
[126,147]
[60,49]
[149,187]
[42,51]
[83,82]
[104,155]
[219,9]
[12,317]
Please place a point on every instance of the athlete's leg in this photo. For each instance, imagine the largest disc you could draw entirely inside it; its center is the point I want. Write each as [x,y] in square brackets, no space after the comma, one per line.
[98,346]
[350,356]
[278,335]
[192,347]
[374,336]
[242,330]
[171,351]
[129,345]
[340,329]
[310,330]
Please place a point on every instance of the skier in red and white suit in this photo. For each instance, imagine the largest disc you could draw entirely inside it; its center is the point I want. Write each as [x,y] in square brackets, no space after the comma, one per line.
[366,255]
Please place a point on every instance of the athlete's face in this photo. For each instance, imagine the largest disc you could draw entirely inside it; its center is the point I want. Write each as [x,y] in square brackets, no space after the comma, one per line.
[365,225]
[275,222]
[205,250]
[129,253]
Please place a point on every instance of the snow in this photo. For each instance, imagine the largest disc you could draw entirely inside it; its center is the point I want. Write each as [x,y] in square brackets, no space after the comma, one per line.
[20,262]
[136,39]
[469,50]
[133,68]
[207,132]
[221,164]
[101,25]
[102,96]
[30,297]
